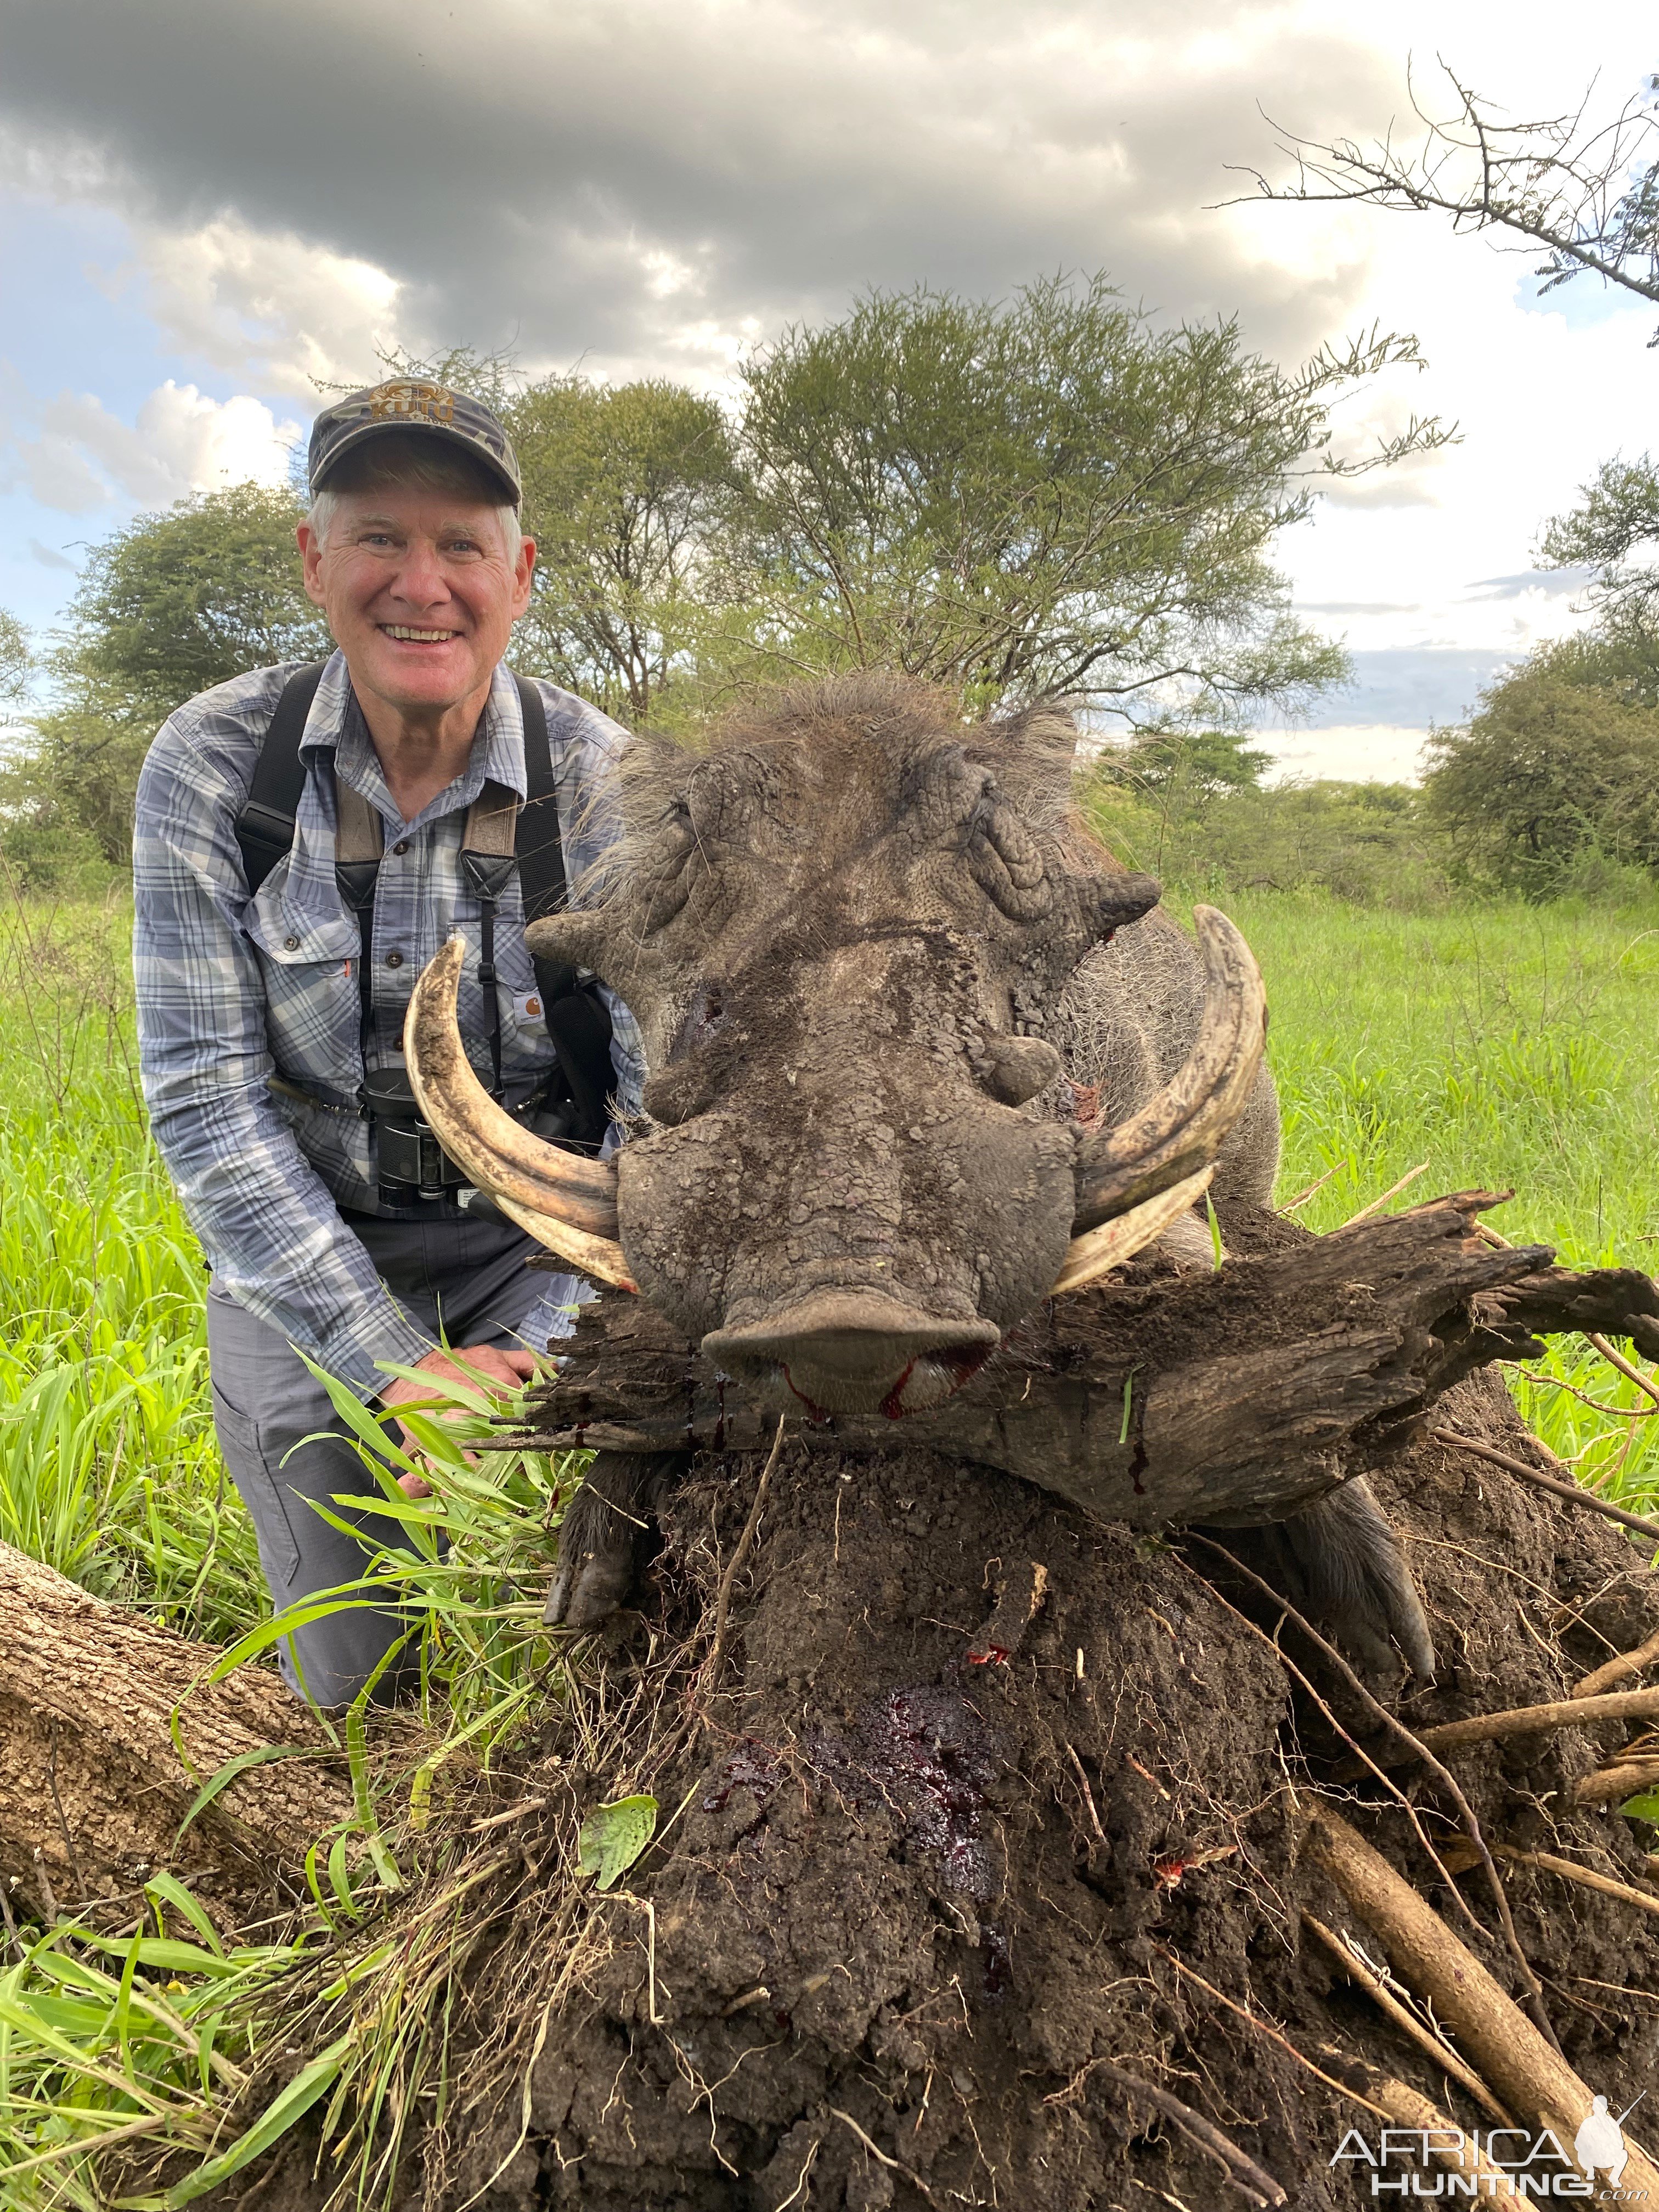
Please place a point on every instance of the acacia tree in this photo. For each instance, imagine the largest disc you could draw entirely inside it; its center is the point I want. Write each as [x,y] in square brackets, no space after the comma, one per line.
[168,606]
[628,490]
[1584,192]
[1038,499]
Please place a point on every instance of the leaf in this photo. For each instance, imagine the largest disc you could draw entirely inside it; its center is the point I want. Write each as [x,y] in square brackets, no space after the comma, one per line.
[222,1780]
[612,1837]
[1644,1807]
[278,2117]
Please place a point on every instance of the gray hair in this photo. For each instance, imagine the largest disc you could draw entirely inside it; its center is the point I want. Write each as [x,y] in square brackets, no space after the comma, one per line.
[398,462]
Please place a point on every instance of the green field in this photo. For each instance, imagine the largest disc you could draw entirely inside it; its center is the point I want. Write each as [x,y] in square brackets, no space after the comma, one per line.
[1504,1046]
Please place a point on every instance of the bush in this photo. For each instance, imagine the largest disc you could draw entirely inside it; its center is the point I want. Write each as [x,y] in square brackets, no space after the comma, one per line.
[1553,785]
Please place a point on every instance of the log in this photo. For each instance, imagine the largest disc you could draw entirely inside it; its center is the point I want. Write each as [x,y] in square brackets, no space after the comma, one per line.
[92,1786]
[1158,1398]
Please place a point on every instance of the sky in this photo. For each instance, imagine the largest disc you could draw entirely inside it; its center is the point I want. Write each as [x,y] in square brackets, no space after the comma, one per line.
[207,207]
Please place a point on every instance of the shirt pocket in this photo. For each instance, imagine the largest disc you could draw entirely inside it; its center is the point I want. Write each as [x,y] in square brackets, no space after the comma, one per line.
[312,1007]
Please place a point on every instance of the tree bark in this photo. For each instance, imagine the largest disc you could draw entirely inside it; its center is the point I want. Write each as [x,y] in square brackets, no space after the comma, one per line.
[1157,1399]
[92,1789]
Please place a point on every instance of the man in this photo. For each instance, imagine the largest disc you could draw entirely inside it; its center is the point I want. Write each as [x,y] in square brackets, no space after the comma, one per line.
[275,949]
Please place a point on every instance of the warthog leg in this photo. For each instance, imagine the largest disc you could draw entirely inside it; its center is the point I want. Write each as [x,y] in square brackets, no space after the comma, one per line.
[1340,1563]
[607,1528]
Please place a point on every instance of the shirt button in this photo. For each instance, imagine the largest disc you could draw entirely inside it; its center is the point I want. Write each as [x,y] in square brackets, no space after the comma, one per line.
[394,959]
[290,945]
[402,845]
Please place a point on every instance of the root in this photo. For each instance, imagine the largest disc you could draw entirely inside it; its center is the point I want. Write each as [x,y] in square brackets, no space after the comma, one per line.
[1448,2060]
[1241,2170]
[1508,2051]
[1569,1491]
[1614,1670]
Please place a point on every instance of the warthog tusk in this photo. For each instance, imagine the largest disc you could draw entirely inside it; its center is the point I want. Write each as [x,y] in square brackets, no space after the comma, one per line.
[1183,1127]
[547,1190]
[589,1255]
[1099,1250]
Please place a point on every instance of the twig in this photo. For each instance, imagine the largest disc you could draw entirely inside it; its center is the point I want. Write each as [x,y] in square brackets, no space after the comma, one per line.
[1241,2168]
[723,1599]
[1569,1870]
[521,1811]
[1616,1670]
[1088,1799]
[1609,1784]
[1542,1720]
[1448,1780]
[47,1897]
[1615,1358]
[1273,2034]
[875,2151]
[1570,1492]
[1523,2069]
[1312,1191]
[12,1935]
[1383,1997]
[1392,1191]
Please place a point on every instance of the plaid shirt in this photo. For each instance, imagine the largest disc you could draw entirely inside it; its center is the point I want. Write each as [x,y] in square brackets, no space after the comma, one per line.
[233,991]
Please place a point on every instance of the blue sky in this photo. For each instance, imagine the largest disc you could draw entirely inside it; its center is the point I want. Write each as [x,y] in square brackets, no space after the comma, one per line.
[197,223]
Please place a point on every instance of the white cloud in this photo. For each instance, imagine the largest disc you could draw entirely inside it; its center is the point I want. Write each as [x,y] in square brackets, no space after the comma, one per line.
[1363,752]
[182,441]
[269,307]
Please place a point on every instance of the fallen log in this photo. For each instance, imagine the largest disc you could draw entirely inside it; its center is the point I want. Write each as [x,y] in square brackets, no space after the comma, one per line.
[1158,1398]
[93,1788]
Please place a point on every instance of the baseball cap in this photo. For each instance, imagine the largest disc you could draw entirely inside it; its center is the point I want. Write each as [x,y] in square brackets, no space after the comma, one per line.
[409,403]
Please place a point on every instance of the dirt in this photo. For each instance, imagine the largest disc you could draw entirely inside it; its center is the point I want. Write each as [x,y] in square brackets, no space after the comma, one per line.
[985,1794]
[912,1894]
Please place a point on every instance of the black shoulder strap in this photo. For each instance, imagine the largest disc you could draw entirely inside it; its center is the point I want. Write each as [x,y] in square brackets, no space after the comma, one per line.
[264,828]
[578,1020]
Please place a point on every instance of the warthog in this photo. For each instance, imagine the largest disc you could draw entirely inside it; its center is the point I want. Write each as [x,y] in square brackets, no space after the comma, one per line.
[921,1052]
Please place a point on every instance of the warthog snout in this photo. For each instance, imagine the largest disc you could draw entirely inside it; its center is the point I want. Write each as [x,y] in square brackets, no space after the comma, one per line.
[857,1351]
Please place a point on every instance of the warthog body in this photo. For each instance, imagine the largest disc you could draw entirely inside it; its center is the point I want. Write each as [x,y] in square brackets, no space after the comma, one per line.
[894,1000]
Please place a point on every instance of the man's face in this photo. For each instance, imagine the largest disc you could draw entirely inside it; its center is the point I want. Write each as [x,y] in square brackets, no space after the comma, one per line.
[419,591]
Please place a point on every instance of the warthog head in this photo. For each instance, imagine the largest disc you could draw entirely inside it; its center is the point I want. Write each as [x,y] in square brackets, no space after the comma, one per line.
[840,931]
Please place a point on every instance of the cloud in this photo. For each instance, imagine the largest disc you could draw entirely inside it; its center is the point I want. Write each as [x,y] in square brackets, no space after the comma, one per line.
[270,307]
[181,442]
[1409,689]
[638,180]
[49,557]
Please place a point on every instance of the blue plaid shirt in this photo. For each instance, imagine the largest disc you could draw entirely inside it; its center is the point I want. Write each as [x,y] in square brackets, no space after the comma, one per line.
[233,991]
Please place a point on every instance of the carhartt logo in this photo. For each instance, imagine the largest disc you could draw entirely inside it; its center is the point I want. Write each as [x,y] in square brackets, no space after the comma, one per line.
[406,400]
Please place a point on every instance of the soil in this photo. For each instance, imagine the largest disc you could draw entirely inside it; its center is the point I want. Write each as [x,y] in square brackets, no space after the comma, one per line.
[984,1795]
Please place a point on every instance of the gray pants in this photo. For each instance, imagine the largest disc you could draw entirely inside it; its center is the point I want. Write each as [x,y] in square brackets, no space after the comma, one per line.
[465,1281]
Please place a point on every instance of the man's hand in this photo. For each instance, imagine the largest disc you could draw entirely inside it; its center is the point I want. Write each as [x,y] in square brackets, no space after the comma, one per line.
[485,1367]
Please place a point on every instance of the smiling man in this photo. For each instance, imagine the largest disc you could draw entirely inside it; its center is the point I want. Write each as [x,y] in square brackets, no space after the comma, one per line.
[306,839]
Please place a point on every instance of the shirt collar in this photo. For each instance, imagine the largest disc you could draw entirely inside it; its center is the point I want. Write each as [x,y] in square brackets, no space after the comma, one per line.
[335,723]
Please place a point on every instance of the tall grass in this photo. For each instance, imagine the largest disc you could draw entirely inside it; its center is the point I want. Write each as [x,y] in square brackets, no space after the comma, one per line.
[108,1466]
[1492,1046]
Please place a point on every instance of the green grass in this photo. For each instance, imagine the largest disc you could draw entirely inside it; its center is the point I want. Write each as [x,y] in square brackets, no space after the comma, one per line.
[1507,1047]
[1498,1046]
